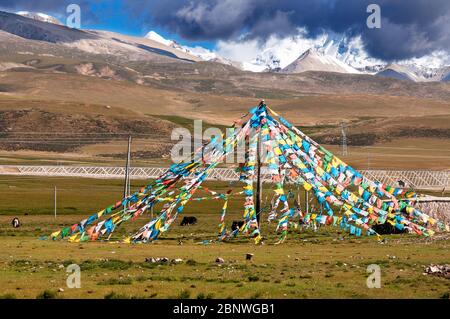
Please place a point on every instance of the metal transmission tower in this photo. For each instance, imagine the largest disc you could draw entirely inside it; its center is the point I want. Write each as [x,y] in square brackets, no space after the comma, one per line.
[344,139]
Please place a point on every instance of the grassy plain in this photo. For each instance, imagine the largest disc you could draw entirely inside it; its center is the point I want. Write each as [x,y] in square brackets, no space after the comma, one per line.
[322,264]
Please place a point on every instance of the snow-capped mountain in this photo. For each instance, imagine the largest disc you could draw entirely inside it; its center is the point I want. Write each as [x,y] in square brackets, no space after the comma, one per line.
[152,35]
[200,52]
[39,16]
[278,53]
[19,31]
[328,52]
[314,60]
[349,50]
[416,73]
[341,53]
[399,72]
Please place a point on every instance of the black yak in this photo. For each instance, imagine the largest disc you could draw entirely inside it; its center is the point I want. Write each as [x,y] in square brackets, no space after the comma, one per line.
[188,220]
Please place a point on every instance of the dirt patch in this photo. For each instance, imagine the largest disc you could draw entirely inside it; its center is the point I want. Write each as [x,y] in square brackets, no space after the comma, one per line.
[6,88]
[158,150]
[34,129]
[363,139]
[334,137]
[92,69]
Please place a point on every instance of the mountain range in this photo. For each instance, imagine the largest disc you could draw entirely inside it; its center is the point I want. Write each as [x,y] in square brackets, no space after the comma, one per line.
[39,16]
[329,53]
[57,79]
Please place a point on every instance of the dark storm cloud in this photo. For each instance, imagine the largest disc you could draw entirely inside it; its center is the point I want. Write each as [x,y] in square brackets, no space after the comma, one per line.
[410,28]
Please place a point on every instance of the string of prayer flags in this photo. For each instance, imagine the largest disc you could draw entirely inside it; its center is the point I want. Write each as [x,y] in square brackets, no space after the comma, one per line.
[346,198]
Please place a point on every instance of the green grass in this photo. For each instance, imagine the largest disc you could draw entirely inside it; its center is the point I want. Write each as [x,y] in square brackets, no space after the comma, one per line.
[308,265]
[296,269]
[189,123]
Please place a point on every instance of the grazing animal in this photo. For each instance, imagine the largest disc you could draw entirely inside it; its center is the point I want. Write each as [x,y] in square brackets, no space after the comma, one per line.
[188,220]
[386,229]
[237,224]
[15,223]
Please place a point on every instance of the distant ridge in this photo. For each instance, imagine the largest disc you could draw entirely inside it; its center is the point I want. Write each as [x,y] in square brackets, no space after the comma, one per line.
[313,60]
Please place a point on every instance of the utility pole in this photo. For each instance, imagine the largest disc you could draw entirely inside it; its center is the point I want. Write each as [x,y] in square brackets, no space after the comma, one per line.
[55,201]
[344,139]
[127,187]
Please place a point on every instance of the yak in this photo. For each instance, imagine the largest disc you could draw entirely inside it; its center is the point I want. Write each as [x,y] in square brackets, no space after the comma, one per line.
[188,220]
[237,224]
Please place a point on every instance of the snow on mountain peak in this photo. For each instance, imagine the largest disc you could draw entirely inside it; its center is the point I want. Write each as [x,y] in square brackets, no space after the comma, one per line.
[152,35]
[329,52]
[316,60]
[277,53]
[198,51]
[39,16]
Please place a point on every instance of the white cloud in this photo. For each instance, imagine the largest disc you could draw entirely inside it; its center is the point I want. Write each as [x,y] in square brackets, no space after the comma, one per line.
[274,52]
[434,60]
[240,51]
[278,52]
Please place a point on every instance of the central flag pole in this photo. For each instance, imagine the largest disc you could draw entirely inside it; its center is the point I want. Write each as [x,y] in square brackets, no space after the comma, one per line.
[258,176]
[258,181]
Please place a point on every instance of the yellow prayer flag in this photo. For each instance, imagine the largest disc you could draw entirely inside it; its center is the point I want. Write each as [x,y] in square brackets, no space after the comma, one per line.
[55,234]
[301,165]
[100,213]
[73,238]
[323,189]
[277,151]
[360,190]
[319,171]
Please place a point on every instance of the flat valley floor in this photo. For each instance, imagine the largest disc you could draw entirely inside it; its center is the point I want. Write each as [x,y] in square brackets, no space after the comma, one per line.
[324,264]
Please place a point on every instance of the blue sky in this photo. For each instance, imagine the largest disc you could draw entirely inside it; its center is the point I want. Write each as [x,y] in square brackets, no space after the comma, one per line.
[410,28]
[109,15]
